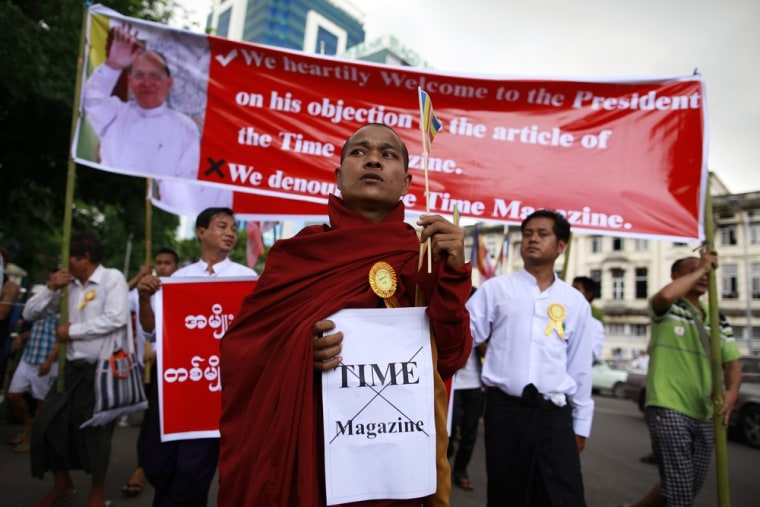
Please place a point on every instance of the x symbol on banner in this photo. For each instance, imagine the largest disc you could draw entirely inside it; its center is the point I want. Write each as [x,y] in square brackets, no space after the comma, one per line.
[214,167]
[380,395]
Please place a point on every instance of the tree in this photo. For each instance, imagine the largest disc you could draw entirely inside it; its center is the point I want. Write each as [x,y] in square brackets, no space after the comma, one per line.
[39,47]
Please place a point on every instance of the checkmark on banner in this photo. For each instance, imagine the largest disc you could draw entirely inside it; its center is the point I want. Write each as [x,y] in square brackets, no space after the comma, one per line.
[224,60]
[379,394]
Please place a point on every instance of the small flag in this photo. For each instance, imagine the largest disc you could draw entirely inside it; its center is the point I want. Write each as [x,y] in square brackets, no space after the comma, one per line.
[255,244]
[504,254]
[480,256]
[428,122]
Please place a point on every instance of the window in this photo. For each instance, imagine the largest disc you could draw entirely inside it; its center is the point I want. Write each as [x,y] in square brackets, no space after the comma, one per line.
[596,276]
[754,234]
[596,244]
[641,283]
[727,234]
[327,42]
[616,329]
[729,282]
[639,329]
[617,244]
[755,273]
[618,284]
[223,23]
[642,245]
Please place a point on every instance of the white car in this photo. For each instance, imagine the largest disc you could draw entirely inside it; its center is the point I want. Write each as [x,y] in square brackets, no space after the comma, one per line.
[607,378]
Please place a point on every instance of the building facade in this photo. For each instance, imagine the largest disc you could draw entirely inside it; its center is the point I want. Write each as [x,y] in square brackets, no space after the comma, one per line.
[629,271]
[325,27]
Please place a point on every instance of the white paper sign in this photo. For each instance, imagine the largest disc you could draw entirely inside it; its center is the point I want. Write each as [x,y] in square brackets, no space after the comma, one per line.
[378,408]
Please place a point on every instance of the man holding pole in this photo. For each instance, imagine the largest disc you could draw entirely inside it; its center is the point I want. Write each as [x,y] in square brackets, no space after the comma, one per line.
[98,316]
[679,408]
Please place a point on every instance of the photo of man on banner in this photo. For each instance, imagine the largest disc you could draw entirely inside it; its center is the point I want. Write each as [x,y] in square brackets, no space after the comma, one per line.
[146,111]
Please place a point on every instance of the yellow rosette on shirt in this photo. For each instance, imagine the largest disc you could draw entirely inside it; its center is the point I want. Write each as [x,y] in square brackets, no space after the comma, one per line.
[557,314]
[382,279]
[88,296]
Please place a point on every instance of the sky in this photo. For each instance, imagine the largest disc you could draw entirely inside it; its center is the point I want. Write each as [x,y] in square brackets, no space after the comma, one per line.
[591,39]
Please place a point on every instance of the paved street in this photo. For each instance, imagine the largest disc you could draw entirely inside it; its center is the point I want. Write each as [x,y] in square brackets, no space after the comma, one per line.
[611,467]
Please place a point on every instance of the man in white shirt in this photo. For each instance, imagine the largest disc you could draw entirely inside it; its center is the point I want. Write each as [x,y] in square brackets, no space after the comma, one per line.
[538,372]
[145,136]
[181,471]
[98,316]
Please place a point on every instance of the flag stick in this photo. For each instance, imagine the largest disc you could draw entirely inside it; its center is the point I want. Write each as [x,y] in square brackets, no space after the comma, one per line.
[69,201]
[425,152]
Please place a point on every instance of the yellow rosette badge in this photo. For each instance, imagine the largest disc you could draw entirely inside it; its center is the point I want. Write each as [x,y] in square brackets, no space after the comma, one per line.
[382,279]
[88,296]
[557,314]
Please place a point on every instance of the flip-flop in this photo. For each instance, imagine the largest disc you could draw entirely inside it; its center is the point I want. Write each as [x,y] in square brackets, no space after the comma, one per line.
[58,500]
[131,489]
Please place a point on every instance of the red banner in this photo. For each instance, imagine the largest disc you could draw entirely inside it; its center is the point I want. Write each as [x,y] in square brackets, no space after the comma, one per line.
[192,315]
[623,157]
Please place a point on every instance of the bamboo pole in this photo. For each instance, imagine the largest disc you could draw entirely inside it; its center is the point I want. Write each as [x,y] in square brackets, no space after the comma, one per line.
[69,200]
[716,366]
[148,262]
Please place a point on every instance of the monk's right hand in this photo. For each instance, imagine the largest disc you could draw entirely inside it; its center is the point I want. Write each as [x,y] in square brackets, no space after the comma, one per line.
[326,346]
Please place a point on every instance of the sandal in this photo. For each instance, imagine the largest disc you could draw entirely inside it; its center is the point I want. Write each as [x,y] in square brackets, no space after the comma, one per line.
[131,489]
[464,483]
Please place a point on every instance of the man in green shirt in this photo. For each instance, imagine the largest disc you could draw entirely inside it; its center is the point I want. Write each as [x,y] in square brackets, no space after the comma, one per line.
[679,408]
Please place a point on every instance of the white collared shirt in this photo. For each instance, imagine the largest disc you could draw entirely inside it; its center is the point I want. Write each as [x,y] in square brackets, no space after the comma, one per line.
[524,345]
[98,311]
[223,269]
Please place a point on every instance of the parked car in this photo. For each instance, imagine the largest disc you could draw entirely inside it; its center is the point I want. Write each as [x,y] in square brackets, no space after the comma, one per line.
[606,377]
[635,387]
[745,418]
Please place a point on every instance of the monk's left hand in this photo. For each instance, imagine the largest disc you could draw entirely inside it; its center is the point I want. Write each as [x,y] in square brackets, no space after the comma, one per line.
[446,239]
[326,346]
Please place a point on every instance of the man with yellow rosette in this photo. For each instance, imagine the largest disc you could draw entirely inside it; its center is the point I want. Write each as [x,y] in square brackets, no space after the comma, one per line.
[538,369]
[98,316]
[280,343]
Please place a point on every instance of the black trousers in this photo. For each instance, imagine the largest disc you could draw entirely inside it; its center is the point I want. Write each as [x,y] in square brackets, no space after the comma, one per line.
[181,471]
[467,410]
[531,456]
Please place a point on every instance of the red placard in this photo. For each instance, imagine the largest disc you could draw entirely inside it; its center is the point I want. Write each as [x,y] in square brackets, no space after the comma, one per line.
[192,315]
